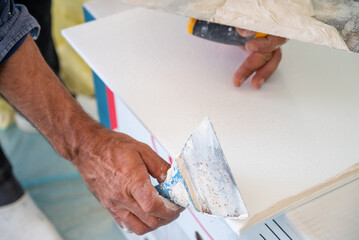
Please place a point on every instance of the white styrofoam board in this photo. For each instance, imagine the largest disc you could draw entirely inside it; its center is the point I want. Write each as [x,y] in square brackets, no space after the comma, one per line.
[297,131]
[103,8]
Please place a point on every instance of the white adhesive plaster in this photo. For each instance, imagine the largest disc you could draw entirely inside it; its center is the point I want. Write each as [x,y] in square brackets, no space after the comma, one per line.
[292,19]
[178,192]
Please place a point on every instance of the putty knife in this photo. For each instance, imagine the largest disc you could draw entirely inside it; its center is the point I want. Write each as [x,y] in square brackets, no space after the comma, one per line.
[200,177]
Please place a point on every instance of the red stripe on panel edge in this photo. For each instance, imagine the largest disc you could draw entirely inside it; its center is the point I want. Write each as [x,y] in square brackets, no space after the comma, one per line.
[193,215]
[200,224]
[111,108]
[170,159]
[154,144]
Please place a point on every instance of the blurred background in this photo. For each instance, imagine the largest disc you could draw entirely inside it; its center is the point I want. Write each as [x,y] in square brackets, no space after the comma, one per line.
[73,71]
[54,183]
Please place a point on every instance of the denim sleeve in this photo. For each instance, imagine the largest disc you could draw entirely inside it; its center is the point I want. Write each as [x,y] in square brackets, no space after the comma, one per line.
[15,23]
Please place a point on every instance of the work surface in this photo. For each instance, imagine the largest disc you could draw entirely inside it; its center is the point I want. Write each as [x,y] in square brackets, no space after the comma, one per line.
[299,130]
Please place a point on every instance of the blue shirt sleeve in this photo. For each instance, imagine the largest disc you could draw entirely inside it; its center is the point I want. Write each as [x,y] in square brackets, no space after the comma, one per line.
[15,23]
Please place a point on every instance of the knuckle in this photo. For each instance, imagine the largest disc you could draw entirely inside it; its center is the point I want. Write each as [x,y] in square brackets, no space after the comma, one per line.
[120,192]
[145,147]
[273,46]
[117,197]
[155,223]
[268,73]
[124,196]
[118,220]
[127,154]
[277,42]
[149,208]
[148,148]
[140,185]
[266,56]
[142,230]
[126,217]
[250,66]
[281,40]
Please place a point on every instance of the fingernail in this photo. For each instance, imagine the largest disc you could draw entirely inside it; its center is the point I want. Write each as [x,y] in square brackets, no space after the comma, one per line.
[239,83]
[162,178]
[125,228]
[246,33]
[261,82]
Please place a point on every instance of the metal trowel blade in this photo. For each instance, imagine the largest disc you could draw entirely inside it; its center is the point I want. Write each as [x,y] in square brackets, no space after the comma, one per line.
[207,175]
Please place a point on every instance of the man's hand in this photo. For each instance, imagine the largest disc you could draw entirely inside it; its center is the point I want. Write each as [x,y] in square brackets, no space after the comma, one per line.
[264,57]
[116,168]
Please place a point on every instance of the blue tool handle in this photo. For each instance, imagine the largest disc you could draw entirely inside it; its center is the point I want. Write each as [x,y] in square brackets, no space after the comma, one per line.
[174,181]
[164,190]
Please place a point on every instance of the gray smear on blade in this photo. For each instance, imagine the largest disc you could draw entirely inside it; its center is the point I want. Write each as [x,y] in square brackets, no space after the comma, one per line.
[343,15]
[200,177]
[211,179]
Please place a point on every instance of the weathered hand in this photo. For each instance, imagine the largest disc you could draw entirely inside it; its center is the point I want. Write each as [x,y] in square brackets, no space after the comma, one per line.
[116,168]
[264,57]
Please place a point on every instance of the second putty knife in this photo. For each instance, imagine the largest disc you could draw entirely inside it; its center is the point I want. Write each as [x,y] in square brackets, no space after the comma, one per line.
[200,177]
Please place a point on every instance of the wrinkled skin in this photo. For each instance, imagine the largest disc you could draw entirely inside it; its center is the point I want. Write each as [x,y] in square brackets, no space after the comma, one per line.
[117,169]
[264,58]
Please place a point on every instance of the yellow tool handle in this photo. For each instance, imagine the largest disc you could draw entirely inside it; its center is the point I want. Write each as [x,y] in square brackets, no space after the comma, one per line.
[190,25]
[260,35]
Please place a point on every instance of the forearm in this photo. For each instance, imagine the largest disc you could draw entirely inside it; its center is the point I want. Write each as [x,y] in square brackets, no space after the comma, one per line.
[115,167]
[31,86]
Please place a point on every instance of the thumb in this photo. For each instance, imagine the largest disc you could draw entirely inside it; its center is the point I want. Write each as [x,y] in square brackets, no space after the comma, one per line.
[156,166]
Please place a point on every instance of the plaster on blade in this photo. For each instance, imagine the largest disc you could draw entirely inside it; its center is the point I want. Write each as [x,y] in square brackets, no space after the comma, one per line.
[200,177]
